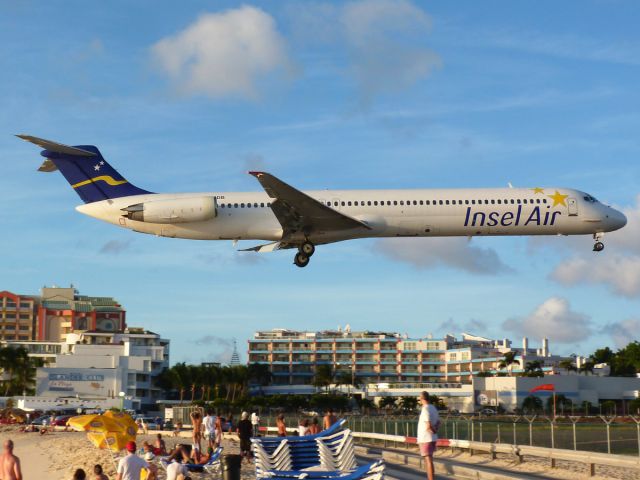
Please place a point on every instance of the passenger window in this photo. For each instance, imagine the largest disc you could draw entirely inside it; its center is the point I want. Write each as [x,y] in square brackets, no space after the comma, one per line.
[466,202]
[388,202]
[401,202]
[335,204]
[518,201]
[235,205]
[262,204]
[248,205]
[493,202]
[538,200]
[395,202]
[524,201]
[486,202]
[342,203]
[349,203]
[369,202]
[512,201]
[415,203]
[421,202]
[440,202]
[375,203]
[473,202]
[453,202]
[447,202]
[222,205]
[427,202]
[545,200]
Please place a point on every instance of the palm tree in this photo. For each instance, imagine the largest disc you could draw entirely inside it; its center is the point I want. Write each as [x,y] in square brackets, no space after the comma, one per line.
[533,369]
[509,359]
[408,403]
[568,365]
[532,404]
[587,367]
[260,374]
[387,402]
[323,376]
[18,371]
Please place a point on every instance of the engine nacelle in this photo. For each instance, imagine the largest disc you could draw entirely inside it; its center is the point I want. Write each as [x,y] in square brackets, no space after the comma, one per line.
[176,210]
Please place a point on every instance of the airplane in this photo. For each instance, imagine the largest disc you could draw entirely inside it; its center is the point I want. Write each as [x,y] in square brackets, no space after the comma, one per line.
[290,218]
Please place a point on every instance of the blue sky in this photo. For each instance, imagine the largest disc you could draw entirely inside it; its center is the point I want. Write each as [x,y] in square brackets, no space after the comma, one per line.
[366,94]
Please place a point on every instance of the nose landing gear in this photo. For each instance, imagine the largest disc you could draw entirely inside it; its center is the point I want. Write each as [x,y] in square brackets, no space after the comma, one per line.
[305,251]
[598,246]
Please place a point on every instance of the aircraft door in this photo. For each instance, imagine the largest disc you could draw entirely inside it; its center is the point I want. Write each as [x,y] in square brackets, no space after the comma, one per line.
[573,206]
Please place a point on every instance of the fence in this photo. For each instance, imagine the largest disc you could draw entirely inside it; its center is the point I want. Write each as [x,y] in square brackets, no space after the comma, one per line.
[617,435]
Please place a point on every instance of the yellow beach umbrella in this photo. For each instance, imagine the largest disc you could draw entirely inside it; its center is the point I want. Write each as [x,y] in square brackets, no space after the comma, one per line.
[125,419]
[105,431]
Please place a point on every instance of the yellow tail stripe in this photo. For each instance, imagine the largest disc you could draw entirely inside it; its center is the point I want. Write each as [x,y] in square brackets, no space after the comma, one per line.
[105,178]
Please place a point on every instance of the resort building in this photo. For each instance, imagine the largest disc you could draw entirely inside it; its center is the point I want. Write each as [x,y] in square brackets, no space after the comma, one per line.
[96,365]
[56,313]
[374,357]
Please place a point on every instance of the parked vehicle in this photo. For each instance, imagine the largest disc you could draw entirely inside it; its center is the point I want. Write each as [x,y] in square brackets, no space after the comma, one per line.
[42,419]
[487,411]
[60,421]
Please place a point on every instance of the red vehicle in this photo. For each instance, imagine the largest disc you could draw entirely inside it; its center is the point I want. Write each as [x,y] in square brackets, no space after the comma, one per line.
[60,421]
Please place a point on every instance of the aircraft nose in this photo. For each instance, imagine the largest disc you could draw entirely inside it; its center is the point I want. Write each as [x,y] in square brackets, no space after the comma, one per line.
[617,219]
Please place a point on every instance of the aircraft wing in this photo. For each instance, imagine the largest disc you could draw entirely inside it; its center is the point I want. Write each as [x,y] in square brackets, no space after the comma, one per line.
[298,212]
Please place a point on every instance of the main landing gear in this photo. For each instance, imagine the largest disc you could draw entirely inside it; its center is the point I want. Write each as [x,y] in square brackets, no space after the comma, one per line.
[598,246]
[305,251]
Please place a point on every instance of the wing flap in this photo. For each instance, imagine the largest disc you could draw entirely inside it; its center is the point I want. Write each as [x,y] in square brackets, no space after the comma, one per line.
[297,211]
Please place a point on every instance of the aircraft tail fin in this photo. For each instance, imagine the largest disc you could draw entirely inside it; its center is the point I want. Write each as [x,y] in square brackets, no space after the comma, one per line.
[85,169]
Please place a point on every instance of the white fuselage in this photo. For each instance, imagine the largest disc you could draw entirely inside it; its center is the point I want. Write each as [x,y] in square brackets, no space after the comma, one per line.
[389,213]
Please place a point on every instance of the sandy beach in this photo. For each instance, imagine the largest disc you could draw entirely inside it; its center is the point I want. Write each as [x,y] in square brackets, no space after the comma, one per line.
[55,456]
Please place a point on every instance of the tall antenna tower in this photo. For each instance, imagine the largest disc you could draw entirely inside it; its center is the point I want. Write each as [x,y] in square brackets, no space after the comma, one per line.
[235,357]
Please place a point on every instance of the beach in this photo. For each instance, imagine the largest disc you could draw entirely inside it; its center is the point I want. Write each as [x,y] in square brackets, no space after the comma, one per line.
[56,455]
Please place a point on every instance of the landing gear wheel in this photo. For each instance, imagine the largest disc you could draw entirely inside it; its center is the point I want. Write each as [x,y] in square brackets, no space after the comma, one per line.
[307,248]
[598,247]
[301,260]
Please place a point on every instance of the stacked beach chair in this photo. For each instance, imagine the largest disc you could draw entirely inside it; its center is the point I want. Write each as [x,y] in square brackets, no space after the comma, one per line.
[326,455]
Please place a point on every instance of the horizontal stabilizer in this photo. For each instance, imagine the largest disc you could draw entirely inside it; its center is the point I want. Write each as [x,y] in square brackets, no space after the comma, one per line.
[56,147]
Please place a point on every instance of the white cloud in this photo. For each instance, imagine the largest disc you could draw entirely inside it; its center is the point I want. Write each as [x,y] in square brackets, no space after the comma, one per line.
[619,272]
[224,54]
[618,267]
[554,320]
[623,332]
[384,41]
[457,253]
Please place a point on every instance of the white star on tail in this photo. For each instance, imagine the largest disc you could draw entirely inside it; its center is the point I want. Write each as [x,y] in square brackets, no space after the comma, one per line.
[96,167]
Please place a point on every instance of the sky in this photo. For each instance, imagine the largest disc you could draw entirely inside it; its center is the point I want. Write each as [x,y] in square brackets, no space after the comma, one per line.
[188,96]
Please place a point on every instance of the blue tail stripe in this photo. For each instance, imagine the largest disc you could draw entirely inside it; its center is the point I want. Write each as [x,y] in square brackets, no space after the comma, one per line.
[92,177]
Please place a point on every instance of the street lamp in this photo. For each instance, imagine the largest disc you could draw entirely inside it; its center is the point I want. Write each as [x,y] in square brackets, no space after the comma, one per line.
[121,395]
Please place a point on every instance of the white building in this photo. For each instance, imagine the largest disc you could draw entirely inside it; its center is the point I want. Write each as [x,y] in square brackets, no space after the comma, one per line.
[99,365]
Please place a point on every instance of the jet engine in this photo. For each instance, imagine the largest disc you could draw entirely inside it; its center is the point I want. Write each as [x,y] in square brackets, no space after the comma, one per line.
[175,210]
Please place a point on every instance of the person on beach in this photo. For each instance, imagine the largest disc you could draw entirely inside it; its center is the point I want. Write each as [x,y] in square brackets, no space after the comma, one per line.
[329,419]
[160,446]
[79,474]
[98,474]
[9,463]
[178,429]
[218,430]
[428,425]
[314,427]
[245,430]
[176,469]
[129,467]
[303,427]
[255,423]
[210,433]
[196,422]
[282,427]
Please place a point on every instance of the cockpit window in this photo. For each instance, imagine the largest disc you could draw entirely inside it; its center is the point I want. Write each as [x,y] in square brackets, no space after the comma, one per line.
[590,199]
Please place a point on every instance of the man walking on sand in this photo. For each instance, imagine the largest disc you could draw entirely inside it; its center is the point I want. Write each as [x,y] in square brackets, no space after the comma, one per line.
[428,425]
[9,463]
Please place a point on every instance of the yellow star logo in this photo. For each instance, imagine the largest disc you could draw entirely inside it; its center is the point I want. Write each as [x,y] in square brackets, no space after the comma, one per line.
[558,199]
[538,190]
